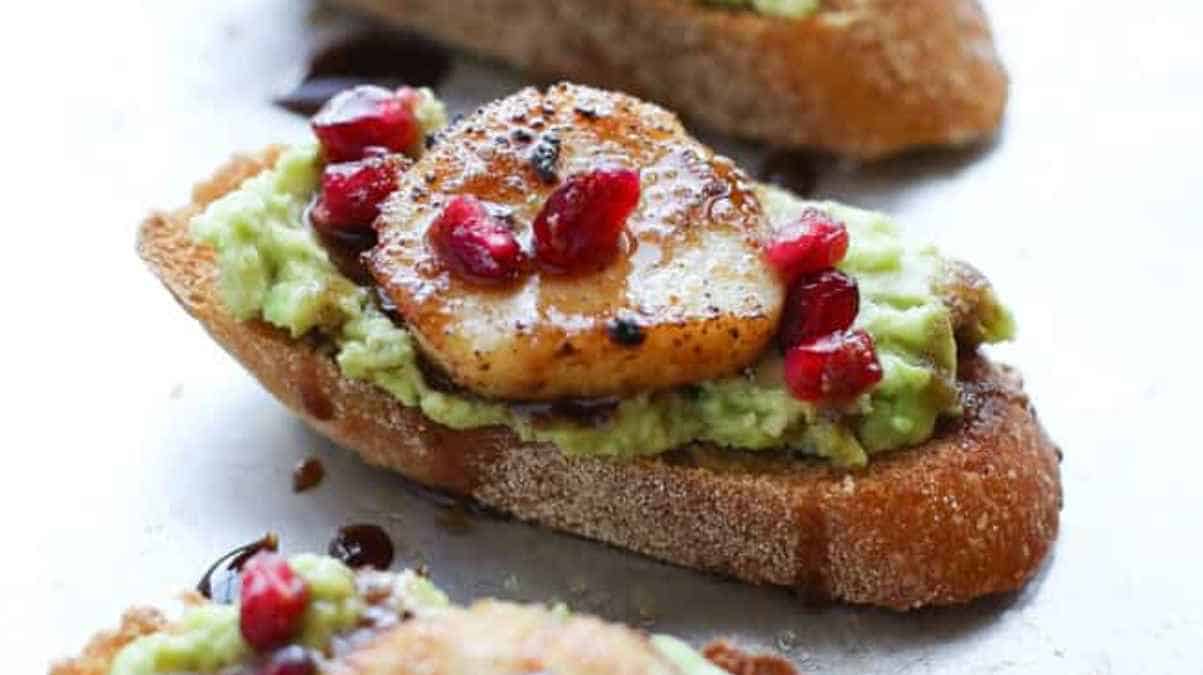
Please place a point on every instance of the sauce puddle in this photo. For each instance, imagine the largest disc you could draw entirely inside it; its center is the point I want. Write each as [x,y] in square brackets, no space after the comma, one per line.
[362,545]
[388,59]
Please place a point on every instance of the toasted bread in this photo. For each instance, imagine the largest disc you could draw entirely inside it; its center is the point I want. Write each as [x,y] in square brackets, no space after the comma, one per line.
[862,78]
[971,512]
[97,656]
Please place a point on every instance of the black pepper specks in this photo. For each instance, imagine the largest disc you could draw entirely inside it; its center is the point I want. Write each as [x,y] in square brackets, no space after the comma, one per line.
[544,156]
[626,332]
[522,136]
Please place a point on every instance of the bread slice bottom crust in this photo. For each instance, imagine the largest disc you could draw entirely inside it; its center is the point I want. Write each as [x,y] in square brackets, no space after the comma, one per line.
[971,512]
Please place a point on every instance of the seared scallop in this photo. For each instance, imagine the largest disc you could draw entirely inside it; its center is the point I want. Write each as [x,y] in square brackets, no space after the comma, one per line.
[499,637]
[686,299]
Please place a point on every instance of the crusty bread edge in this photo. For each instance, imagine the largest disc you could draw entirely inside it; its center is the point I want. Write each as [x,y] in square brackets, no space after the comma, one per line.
[862,78]
[97,656]
[972,512]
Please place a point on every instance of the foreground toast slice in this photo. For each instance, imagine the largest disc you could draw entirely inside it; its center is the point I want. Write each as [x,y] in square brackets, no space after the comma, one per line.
[388,623]
[973,511]
[858,78]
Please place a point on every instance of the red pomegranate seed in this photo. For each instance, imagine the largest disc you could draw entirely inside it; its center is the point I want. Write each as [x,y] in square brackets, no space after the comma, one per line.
[474,244]
[273,598]
[818,304]
[834,368]
[352,192]
[291,660]
[582,221]
[365,117]
[812,242]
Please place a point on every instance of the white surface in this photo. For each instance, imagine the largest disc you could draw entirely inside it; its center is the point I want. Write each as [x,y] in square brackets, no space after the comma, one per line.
[136,451]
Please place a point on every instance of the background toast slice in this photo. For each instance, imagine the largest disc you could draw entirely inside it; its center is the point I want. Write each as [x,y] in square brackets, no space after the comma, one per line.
[861,78]
[973,511]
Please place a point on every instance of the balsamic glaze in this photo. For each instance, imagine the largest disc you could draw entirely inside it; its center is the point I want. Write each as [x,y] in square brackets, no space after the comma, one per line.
[587,113]
[362,545]
[794,170]
[346,252]
[314,399]
[386,305]
[307,474]
[375,57]
[625,332]
[234,560]
[437,378]
[584,411]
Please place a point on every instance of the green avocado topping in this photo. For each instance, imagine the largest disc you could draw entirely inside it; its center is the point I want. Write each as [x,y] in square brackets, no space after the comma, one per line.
[273,268]
[790,9]
[206,639]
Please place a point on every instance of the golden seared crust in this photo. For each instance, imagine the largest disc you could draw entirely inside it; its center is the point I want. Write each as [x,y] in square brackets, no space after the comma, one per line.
[689,276]
[501,637]
[863,78]
[973,511]
[98,655]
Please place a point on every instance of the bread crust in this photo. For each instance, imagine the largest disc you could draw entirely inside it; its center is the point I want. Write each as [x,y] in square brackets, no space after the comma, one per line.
[861,78]
[973,511]
[97,657]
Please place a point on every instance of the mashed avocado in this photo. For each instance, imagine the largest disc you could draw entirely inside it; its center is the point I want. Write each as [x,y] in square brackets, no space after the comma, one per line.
[206,639]
[273,268]
[791,9]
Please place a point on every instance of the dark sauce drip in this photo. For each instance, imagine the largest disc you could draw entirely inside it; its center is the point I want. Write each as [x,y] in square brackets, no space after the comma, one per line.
[307,474]
[372,57]
[625,332]
[386,305]
[227,584]
[794,170]
[587,113]
[313,397]
[591,412]
[438,379]
[346,252]
[362,545]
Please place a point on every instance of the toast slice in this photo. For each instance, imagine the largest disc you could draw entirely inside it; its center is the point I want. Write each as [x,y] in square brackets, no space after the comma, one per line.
[860,78]
[971,512]
[406,625]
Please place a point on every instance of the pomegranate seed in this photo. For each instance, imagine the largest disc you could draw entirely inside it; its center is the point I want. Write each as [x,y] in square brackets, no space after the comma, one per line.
[836,367]
[818,304]
[352,192]
[813,242]
[474,244]
[291,660]
[273,600]
[363,117]
[582,221]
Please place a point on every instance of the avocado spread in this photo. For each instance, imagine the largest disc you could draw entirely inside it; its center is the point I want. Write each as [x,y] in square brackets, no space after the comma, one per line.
[207,639]
[790,9]
[273,268]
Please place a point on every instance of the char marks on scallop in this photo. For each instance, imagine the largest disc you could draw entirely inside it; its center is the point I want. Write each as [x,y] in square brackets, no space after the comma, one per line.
[689,272]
